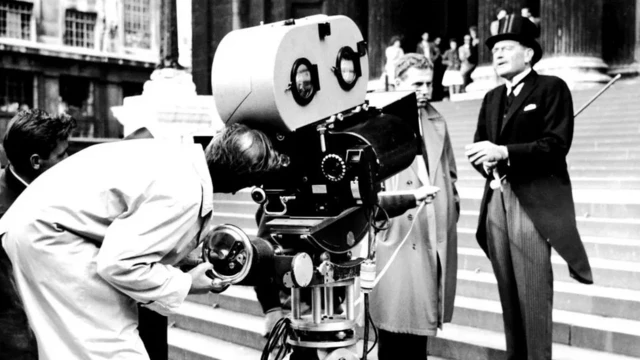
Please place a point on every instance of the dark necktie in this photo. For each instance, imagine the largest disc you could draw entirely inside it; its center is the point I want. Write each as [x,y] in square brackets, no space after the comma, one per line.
[507,104]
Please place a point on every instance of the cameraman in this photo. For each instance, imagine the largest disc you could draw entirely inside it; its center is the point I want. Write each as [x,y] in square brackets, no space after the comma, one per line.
[34,142]
[121,216]
[416,295]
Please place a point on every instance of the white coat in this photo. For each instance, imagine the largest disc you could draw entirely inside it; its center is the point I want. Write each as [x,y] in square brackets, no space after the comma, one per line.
[97,234]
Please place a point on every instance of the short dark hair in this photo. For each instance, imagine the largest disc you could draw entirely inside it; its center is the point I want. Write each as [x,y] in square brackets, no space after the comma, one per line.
[238,150]
[410,60]
[395,38]
[34,131]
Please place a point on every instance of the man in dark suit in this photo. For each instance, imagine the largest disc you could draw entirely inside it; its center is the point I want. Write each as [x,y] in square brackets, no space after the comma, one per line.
[34,142]
[524,133]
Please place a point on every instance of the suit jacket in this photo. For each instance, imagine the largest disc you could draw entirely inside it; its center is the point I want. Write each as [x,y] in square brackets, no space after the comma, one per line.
[537,131]
[16,339]
[414,297]
[433,53]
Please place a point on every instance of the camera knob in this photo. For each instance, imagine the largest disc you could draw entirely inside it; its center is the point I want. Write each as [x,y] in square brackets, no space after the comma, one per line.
[333,167]
[258,195]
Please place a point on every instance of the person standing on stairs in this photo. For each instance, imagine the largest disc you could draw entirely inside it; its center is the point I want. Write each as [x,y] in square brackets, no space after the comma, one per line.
[416,295]
[523,135]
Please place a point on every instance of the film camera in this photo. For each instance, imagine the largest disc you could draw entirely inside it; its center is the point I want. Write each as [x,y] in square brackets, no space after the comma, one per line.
[304,83]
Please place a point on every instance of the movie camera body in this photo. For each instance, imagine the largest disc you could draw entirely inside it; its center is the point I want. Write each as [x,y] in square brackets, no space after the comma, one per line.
[304,82]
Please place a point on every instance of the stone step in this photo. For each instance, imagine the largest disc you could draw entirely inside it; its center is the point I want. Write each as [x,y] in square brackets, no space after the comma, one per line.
[462,136]
[236,298]
[189,345]
[591,226]
[230,326]
[631,153]
[574,172]
[242,195]
[606,273]
[584,137]
[235,328]
[614,165]
[568,296]
[459,120]
[243,221]
[596,227]
[467,343]
[596,247]
[453,342]
[577,183]
[588,203]
[612,335]
[596,158]
[235,206]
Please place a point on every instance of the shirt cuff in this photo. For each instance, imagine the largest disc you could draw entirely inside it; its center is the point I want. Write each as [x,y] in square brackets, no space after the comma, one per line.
[505,153]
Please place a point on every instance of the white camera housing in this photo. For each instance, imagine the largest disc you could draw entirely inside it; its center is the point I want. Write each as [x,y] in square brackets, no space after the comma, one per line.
[254,81]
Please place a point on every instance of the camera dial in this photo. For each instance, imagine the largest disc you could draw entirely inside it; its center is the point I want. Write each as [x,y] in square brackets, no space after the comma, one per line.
[333,167]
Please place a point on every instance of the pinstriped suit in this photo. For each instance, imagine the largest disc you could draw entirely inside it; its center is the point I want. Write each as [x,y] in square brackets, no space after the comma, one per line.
[535,211]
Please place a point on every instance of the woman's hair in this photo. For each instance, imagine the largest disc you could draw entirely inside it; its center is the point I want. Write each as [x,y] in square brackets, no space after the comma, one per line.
[35,132]
[394,39]
[238,151]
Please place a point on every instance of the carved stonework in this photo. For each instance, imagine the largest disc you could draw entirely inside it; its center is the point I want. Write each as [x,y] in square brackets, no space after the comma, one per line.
[169,36]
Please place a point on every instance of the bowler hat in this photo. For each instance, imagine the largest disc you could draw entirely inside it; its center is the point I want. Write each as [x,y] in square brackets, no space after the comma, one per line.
[522,30]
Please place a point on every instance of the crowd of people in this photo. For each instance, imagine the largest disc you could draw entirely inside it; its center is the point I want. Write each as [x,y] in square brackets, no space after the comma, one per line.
[86,239]
[453,64]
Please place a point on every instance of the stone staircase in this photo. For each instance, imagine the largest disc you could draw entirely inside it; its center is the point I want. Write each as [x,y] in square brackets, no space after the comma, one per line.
[600,321]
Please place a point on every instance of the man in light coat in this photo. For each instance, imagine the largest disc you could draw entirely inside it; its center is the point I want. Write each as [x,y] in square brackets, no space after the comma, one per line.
[102,231]
[34,142]
[416,295]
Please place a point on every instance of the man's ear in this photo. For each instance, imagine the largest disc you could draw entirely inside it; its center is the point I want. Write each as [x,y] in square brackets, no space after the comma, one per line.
[528,55]
[396,82]
[35,161]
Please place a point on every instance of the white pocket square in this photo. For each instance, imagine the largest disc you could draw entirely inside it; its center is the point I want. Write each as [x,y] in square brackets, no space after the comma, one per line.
[530,107]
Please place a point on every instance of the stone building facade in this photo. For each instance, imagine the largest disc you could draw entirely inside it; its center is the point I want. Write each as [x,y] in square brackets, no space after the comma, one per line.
[583,40]
[77,56]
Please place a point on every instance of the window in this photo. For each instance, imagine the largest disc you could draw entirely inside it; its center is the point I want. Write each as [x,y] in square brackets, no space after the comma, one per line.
[16,90]
[15,19]
[79,28]
[137,23]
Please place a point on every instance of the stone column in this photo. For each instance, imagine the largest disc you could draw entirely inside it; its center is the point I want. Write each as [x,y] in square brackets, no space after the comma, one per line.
[380,30]
[168,35]
[49,21]
[50,101]
[637,49]
[571,37]
[619,27]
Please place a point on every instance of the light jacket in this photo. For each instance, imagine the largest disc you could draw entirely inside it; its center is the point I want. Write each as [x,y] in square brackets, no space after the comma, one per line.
[414,297]
[98,233]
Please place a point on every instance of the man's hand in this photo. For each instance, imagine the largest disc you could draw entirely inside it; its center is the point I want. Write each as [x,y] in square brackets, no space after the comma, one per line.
[485,151]
[425,193]
[202,283]
[193,259]
[489,166]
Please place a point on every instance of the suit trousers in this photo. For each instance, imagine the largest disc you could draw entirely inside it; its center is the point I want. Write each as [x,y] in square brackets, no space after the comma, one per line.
[521,261]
